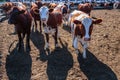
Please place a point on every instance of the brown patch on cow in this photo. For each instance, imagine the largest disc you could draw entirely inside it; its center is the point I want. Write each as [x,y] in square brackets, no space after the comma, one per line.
[52,20]
[35,13]
[51,10]
[79,30]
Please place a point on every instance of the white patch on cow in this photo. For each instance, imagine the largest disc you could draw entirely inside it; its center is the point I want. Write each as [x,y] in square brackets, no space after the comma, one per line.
[86,21]
[44,13]
[20,5]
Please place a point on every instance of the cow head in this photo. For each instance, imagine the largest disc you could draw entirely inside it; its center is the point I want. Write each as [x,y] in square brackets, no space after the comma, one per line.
[15,12]
[44,14]
[84,27]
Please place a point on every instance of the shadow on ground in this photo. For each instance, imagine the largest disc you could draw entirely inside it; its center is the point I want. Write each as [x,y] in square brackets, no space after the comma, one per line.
[59,63]
[38,40]
[18,65]
[95,69]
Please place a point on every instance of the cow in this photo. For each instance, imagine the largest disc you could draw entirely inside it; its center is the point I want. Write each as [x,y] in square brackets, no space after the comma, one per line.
[35,13]
[62,9]
[86,7]
[81,29]
[50,20]
[6,7]
[22,20]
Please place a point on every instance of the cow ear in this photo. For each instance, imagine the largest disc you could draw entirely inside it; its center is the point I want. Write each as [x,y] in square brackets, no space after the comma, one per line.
[50,10]
[77,22]
[97,21]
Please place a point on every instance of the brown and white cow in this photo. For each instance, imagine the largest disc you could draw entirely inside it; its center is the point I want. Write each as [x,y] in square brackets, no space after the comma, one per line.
[50,21]
[86,7]
[22,21]
[81,29]
[35,13]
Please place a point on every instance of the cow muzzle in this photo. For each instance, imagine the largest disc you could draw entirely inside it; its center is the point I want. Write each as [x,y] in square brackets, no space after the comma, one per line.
[43,19]
[87,39]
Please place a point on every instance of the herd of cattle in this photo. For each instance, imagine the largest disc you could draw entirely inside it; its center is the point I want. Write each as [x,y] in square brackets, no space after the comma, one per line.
[50,17]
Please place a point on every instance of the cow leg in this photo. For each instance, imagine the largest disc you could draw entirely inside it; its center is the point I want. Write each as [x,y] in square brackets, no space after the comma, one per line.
[58,34]
[76,45]
[20,41]
[28,42]
[23,36]
[40,26]
[35,25]
[84,50]
[56,37]
[73,35]
[47,41]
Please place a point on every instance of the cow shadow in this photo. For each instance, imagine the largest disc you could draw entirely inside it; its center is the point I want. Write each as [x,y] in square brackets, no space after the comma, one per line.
[59,63]
[38,40]
[18,65]
[95,69]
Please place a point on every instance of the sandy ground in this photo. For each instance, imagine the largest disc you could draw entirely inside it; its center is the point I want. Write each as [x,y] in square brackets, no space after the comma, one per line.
[103,55]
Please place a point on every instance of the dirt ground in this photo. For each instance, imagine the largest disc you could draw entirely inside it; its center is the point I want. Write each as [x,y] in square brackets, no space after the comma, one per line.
[103,55]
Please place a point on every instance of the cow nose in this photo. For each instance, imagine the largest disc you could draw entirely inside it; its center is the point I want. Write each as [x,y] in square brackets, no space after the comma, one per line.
[87,39]
[43,19]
